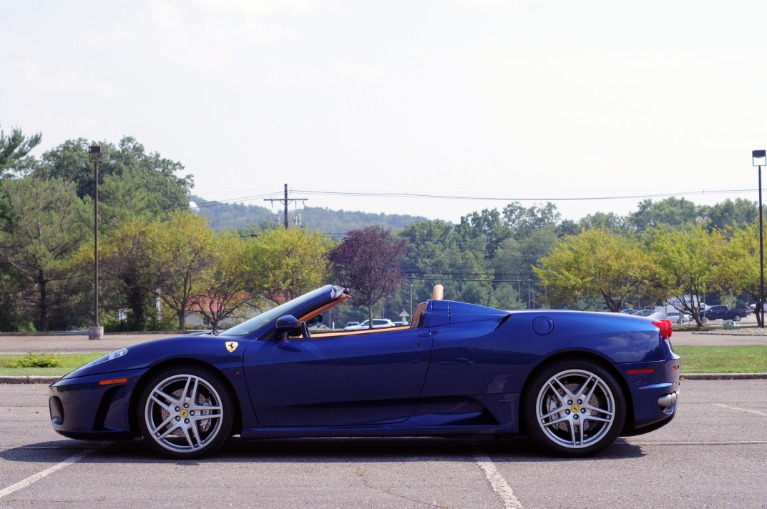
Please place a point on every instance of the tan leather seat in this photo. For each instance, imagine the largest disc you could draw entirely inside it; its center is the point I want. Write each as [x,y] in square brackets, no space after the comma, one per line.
[417,315]
[436,294]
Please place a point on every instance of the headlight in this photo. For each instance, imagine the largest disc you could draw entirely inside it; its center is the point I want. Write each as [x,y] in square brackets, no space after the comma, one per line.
[108,357]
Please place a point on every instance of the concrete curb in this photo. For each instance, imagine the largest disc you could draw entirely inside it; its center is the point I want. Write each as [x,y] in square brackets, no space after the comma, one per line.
[724,376]
[47,380]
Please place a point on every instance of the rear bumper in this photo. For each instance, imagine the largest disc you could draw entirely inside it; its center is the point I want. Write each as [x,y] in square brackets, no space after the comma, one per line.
[654,389]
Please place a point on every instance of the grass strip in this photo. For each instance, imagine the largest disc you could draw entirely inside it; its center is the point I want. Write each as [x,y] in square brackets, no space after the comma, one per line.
[43,364]
[695,359]
[723,359]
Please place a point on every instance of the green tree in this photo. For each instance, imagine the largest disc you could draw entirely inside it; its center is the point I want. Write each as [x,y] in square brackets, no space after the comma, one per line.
[46,227]
[731,213]
[130,180]
[439,253]
[14,147]
[672,211]
[286,263]
[608,221]
[597,264]
[525,220]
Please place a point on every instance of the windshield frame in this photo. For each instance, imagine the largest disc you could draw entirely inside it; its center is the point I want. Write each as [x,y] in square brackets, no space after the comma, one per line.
[297,307]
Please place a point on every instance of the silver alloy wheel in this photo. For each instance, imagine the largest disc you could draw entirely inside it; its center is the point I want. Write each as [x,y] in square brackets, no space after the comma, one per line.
[183,413]
[575,408]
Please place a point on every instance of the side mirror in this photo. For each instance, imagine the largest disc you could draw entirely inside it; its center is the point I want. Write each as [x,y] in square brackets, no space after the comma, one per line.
[315,321]
[285,325]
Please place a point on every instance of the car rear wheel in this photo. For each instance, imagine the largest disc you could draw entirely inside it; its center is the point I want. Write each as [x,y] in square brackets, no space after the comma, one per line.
[185,412]
[574,408]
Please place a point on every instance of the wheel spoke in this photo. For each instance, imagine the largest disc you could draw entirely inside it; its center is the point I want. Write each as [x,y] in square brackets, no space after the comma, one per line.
[166,401]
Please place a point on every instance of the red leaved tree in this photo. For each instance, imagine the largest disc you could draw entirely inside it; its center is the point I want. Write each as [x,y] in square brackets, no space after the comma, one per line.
[367,262]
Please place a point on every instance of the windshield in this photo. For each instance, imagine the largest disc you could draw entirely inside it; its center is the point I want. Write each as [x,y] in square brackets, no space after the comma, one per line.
[289,308]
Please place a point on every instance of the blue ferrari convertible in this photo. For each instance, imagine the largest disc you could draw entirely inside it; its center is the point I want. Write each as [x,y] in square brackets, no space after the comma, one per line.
[572,381]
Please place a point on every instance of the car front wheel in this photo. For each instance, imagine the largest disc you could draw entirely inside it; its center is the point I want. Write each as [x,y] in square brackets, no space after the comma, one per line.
[574,408]
[185,412]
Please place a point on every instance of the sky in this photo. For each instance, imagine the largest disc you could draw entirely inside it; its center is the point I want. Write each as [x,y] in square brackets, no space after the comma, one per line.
[435,108]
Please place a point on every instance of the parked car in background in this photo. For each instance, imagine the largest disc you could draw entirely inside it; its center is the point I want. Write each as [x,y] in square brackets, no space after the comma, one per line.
[351,324]
[724,313]
[679,318]
[378,323]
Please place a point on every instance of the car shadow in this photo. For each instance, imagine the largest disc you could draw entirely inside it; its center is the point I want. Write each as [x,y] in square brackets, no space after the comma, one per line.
[317,450]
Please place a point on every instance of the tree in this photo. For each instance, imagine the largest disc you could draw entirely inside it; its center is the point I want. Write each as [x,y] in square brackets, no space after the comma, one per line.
[485,230]
[672,211]
[598,264]
[730,213]
[180,250]
[739,269]
[124,255]
[130,180]
[286,263]
[367,262]
[525,220]
[686,259]
[608,221]
[14,148]
[222,286]
[47,225]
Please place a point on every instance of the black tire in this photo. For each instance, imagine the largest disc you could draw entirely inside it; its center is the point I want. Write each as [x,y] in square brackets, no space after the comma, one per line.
[185,412]
[574,408]
[736,318]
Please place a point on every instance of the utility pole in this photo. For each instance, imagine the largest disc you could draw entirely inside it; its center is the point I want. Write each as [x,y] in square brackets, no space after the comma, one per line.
[285,201]
[96,331]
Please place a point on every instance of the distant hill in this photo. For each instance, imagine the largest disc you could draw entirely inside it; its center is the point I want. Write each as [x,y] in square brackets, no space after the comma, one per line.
[336,223]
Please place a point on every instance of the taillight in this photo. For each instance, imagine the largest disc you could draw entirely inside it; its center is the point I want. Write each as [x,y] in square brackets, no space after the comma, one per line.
[665,326]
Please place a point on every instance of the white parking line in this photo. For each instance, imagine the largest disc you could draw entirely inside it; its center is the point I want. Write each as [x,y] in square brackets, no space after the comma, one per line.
[497,481]
[757,412]
[45,473]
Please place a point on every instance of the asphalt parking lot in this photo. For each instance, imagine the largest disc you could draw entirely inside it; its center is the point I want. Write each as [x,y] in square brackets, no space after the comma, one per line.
[711,455]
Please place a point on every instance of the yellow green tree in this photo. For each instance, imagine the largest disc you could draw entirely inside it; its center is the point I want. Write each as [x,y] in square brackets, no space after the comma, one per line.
[687,260]
[180,251]
[125,262]
[599,264]
[739,270]
[286,263]
[221,288]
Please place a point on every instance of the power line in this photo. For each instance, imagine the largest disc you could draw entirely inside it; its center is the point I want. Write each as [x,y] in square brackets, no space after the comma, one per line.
[512,198]
[366,194]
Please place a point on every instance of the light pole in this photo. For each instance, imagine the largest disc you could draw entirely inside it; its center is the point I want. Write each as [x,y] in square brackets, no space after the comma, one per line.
[96,331]
[758,158]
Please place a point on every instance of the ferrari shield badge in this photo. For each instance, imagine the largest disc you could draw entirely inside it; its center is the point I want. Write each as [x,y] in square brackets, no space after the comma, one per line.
[231,346]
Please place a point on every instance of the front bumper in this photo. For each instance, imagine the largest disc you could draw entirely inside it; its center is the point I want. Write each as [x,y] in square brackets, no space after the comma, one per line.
[95,407]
